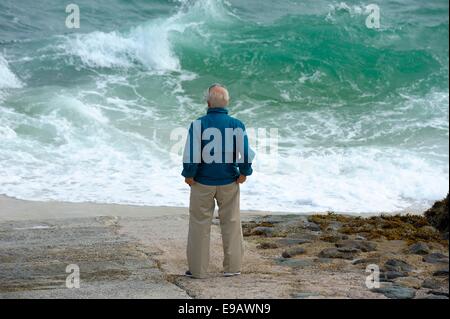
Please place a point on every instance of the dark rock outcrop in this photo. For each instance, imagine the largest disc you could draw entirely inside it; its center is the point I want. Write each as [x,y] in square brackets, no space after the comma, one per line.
[441,273]
[437,215]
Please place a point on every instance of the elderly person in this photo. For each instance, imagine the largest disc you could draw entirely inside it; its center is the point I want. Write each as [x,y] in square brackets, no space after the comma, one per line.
[214,173]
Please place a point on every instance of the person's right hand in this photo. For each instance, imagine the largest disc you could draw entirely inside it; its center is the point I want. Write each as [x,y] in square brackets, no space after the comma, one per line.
[190,181]
[241,179]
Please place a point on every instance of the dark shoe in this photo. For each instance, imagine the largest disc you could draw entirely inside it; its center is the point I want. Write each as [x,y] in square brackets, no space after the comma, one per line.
[188,274]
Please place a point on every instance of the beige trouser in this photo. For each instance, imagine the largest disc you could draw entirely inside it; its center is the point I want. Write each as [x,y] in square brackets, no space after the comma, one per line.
[201,211]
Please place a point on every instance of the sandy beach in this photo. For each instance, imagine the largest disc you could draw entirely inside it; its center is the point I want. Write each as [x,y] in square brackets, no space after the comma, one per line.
[139,252]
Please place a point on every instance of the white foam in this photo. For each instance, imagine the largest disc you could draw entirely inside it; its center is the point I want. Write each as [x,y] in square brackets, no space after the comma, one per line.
[314,77]
[356,180]
[359,180]
[102,163]
[6,132]
[74,109]
[344,7]
[8,80]
[148,44]
[100,49]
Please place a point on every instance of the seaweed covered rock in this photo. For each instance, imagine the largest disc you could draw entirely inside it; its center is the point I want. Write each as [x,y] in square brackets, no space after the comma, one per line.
[342,253]
[364,246]
[438,215]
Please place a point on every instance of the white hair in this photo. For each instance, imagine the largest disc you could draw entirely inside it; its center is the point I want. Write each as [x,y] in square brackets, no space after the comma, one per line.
[218,99]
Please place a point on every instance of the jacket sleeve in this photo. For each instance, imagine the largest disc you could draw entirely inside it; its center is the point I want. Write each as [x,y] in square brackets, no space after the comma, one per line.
[190,161]
[245,165]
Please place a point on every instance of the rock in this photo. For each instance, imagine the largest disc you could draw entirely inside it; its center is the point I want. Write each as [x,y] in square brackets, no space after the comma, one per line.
[441,272]
[359,237]
[419,248]
[428,229]
[334,226]
[312,226]
[438,215]
[394,291]
[431,283]
[290,226]
[273,219]
[348,250]
[293,252]
[263,231]
[303,236]
[246,231]
[435,258]
[365,261]
[332,238]
[338,253]
[438,293]
[364,246]
[292,241]
[390,275]
[303,295]
[409,282]
[397,265]
[267,245]
[294,263]
[324,260]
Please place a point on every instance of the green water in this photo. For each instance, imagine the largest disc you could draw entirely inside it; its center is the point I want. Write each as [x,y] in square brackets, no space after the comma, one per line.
[362,114]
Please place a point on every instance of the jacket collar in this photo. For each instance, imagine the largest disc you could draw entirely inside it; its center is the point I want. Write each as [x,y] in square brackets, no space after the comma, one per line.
[217,110]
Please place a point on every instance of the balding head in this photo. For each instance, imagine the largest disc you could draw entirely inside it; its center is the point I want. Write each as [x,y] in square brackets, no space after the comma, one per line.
[217,96]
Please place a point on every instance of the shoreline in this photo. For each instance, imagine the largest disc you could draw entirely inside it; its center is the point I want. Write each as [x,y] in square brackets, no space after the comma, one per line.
[16,206]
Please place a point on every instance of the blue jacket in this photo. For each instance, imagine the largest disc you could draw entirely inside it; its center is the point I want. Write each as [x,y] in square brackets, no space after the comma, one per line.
[236,155]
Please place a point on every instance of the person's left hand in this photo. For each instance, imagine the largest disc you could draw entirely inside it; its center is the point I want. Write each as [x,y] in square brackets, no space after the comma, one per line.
[241,179]
[190,181]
